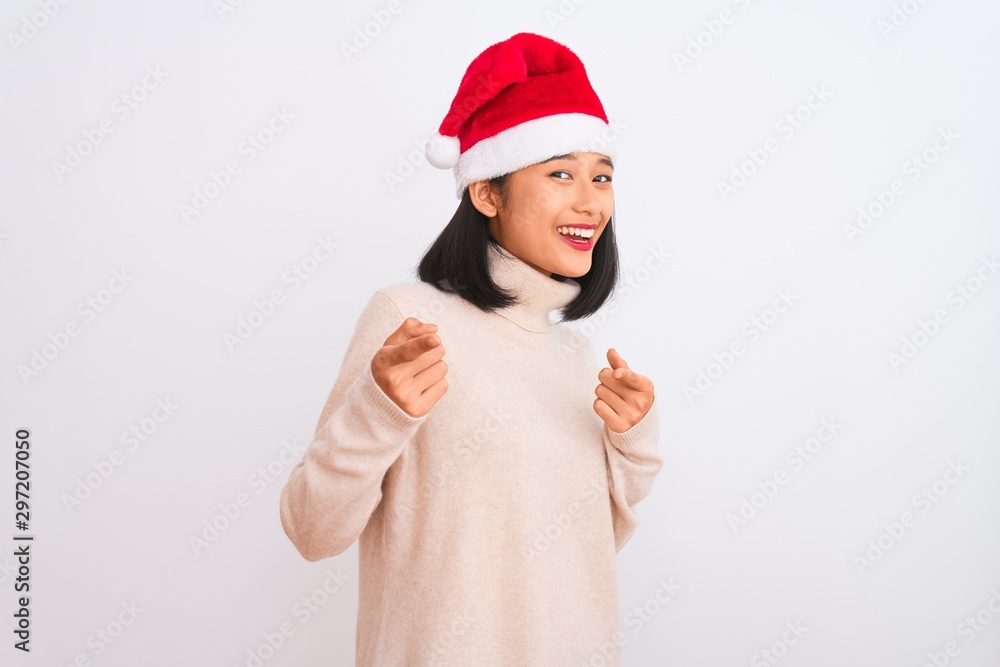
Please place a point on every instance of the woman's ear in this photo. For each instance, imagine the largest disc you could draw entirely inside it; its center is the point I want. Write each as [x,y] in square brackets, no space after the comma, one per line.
[483,198]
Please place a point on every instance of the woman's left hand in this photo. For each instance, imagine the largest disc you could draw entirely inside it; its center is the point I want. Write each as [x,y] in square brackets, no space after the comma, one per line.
[623,396]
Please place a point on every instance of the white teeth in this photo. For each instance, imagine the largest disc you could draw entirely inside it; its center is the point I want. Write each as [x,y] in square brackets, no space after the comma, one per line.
[574,231]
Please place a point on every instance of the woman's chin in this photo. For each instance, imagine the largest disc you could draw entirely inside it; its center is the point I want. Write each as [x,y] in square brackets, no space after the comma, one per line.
[574,267]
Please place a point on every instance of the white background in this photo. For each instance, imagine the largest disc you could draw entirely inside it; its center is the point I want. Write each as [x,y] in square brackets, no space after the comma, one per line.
[686,126]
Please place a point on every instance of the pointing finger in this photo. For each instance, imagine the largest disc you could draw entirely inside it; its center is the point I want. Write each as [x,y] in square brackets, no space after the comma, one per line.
[628,378]
[415,347]
[414,327]
[616,359]
[409,329]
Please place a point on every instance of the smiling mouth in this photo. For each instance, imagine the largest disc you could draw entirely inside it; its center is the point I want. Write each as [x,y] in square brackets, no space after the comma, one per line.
[582,233]
[578,238]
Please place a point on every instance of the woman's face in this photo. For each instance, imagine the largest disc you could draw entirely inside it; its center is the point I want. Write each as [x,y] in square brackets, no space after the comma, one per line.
[571,191]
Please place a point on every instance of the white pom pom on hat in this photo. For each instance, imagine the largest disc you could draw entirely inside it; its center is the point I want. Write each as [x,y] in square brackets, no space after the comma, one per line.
[443,152]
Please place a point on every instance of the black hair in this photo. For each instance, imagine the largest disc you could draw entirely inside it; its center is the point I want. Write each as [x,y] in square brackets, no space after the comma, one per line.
[456,262]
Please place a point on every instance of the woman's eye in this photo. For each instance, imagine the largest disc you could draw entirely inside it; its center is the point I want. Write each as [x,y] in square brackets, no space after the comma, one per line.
[603,178]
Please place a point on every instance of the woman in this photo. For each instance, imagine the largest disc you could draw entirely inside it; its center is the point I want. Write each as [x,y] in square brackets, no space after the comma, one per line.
[491,493]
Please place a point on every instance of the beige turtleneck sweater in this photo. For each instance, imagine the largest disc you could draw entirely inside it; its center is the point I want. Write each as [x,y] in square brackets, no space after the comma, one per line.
[488,527]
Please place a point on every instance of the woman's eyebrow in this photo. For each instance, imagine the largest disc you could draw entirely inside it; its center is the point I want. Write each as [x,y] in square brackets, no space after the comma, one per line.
[570,156]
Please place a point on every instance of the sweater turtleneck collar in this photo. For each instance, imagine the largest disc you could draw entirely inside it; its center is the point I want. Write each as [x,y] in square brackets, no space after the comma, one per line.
[537,293]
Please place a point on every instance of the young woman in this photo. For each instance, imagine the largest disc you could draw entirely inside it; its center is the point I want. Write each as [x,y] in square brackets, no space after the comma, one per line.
[491,492]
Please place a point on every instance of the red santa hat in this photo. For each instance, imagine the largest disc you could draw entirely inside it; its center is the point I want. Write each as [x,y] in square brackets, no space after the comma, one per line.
[521,101]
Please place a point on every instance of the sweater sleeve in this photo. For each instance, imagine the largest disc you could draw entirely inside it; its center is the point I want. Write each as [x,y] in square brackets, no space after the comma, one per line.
[633,462]
[333,490]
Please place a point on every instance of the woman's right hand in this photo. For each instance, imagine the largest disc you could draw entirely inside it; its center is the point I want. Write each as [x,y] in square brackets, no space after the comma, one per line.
[409,367]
